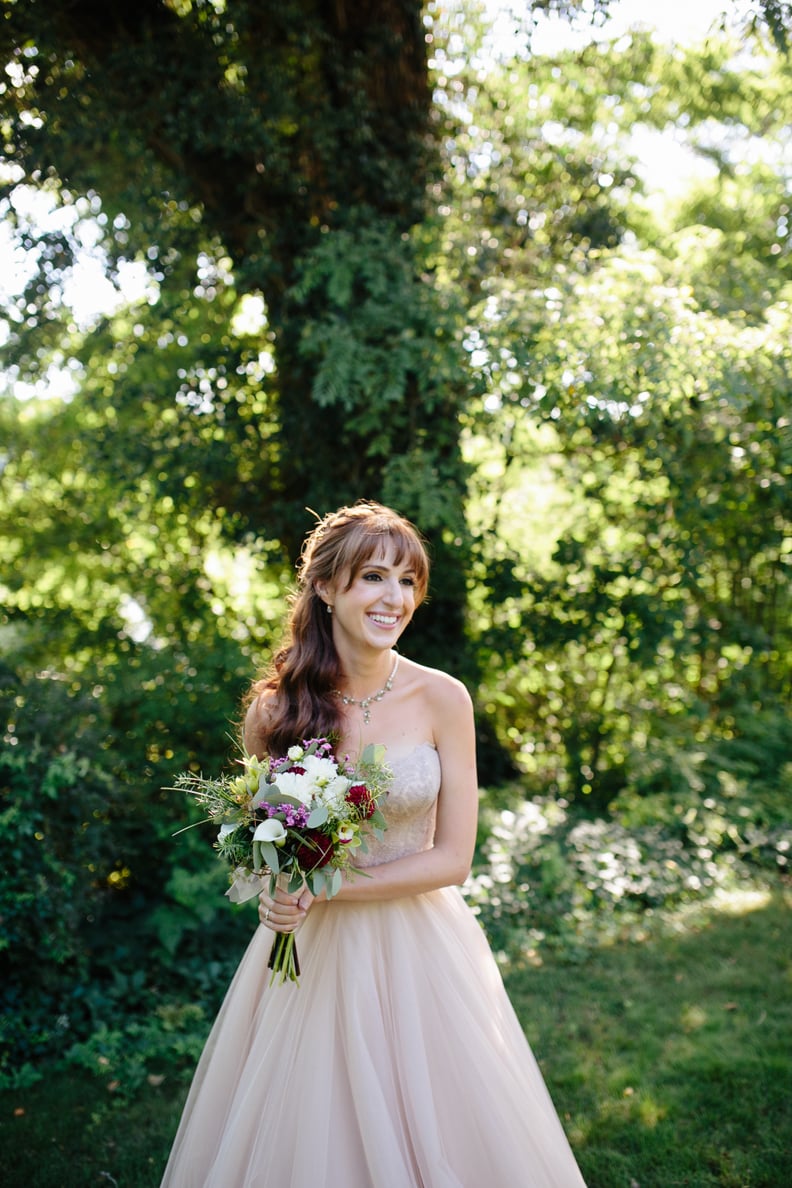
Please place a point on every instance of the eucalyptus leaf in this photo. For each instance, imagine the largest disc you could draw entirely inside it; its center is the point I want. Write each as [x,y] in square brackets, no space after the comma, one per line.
[265,854]
[373,754]
[275,796]
[317,817]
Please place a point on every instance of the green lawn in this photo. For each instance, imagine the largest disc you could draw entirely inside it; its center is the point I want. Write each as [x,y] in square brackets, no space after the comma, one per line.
[669,1059]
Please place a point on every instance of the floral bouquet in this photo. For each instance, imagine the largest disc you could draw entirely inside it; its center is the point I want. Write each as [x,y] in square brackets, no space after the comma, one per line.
[297,820]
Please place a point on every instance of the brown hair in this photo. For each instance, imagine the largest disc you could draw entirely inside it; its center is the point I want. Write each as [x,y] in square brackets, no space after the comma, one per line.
[306,670]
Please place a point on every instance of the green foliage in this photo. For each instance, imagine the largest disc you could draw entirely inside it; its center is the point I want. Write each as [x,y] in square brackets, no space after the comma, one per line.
[554,880]
[57,801]
[359,279]
[166,1044]
[104,911]
[281,170]
[664,586]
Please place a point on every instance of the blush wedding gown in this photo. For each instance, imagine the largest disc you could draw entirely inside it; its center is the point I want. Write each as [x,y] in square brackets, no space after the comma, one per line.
[397,1062]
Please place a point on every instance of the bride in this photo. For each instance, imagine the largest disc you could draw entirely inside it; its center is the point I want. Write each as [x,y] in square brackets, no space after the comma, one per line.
[397,1061]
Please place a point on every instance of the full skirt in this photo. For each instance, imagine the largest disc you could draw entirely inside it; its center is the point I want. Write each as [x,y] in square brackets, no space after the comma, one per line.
[397,1062]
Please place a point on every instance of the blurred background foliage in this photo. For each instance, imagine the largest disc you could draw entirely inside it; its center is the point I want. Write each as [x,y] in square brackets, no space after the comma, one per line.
[364,251]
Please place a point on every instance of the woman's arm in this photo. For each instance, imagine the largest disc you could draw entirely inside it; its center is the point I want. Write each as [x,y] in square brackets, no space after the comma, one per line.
[448,862]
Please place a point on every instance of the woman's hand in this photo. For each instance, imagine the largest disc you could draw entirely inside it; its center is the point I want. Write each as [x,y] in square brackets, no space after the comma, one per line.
[284,911]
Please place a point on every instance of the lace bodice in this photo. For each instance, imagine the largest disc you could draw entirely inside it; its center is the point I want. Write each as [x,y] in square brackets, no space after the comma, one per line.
[409,808]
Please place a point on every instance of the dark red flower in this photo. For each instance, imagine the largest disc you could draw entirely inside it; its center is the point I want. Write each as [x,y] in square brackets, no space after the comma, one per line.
[295,767]
[315,850]
[362,799]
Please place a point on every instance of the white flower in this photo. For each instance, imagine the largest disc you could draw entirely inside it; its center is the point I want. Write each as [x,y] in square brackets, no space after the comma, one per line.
[319,770]
[291,783]
[270,831]
[346,832]
[295,753]
[224,831]
[318,783]
[329,787]
[333,795]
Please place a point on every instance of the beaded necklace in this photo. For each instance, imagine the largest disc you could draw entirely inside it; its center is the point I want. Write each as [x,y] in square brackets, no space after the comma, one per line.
[365,703]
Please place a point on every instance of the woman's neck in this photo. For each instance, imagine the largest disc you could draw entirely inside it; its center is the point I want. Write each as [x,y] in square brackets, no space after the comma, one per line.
[363,673]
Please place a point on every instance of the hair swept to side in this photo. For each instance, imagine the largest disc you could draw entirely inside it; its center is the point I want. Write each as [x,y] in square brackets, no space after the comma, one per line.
[299,685]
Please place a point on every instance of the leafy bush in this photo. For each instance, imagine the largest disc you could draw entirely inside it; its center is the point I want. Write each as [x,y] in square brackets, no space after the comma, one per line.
[548,875]
[59,865]
[105,915]
[165,1044]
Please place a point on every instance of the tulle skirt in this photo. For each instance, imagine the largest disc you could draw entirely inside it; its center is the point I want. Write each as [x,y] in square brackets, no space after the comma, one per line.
[397,1062]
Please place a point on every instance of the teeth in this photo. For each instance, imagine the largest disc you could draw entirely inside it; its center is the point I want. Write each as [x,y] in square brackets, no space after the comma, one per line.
[386,620]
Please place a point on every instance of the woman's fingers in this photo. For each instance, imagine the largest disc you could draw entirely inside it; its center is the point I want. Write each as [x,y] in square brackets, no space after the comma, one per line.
[280,912]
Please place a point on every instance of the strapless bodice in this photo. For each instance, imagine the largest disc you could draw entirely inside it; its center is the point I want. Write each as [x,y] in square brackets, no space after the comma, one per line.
[409,808]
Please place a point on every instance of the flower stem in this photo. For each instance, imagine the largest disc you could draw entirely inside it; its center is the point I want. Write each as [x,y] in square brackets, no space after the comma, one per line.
[283,958]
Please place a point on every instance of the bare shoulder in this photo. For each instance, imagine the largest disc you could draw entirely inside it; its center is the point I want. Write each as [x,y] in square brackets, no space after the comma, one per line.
[441,690]
[445,709]
[255,723]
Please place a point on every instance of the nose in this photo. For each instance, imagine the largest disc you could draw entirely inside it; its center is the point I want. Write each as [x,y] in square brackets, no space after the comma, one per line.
[393,594]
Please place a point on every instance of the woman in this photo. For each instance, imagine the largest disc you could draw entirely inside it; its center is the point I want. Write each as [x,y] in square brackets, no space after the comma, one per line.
[397,1062]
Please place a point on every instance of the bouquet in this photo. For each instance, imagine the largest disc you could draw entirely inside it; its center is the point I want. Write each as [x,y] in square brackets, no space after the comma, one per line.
[298,820]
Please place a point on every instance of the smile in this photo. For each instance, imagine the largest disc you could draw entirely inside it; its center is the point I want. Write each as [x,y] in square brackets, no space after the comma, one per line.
[385,620]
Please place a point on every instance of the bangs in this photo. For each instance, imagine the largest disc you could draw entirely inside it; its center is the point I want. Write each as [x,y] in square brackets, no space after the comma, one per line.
[367,541]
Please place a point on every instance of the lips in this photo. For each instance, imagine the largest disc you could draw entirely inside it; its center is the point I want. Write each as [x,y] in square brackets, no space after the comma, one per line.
[385,620]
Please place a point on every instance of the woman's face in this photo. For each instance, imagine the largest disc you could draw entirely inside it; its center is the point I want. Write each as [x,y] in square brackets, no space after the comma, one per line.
[377,605]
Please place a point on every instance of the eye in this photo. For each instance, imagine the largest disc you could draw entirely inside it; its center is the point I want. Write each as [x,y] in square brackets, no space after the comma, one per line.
[372,577]
[408,581]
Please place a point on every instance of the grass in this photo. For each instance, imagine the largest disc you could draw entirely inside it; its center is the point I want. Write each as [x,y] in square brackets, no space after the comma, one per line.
[668,1059]
[68,1131]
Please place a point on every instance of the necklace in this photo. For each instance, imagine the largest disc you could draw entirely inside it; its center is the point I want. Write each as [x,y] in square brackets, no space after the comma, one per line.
[366,702]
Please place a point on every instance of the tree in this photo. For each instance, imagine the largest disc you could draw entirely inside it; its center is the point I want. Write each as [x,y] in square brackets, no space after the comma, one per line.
[639,393]
[248,149]
[359,274]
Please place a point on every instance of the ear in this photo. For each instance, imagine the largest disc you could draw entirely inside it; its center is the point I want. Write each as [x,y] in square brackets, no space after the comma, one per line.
[323,590]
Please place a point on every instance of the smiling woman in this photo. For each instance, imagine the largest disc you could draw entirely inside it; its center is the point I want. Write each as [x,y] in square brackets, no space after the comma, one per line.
[371,609]
[358,1075]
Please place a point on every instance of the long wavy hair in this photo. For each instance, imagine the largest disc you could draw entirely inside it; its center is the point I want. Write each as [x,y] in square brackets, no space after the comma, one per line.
[305,672]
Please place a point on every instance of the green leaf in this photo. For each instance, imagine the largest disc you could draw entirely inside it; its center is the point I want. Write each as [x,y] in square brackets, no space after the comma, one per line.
[281,798]
[265,854]
[373,755]
[317,817]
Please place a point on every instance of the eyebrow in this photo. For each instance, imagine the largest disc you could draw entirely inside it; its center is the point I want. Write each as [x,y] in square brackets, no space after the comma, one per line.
[383,568]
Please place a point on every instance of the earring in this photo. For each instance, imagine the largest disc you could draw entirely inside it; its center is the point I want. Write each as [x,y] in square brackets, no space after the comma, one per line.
[329,609]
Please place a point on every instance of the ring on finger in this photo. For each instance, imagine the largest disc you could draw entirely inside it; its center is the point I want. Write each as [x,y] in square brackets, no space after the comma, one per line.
[267,914]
